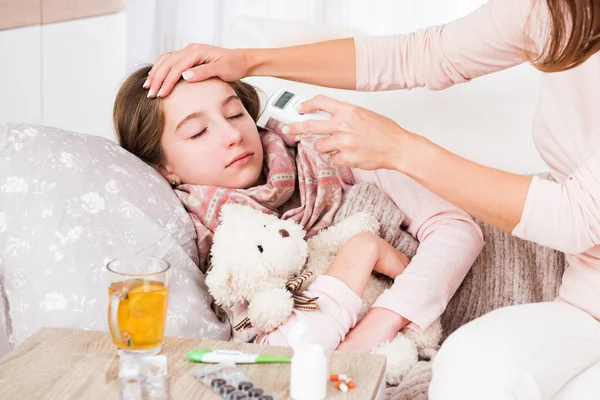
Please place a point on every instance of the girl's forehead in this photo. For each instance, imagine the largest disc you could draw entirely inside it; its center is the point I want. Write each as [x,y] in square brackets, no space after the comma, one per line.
[210,90]
[188,98]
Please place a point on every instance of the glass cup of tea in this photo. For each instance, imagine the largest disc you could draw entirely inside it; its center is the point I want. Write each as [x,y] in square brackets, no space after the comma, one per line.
[138,296]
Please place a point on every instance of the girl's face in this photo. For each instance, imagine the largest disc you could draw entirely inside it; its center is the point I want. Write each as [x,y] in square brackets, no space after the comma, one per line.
[209,138]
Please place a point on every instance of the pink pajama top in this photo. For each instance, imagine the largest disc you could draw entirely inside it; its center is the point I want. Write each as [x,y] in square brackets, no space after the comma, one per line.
[564,215]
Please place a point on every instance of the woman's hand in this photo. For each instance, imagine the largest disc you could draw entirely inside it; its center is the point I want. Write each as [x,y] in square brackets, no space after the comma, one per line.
[359,138]
[195,62]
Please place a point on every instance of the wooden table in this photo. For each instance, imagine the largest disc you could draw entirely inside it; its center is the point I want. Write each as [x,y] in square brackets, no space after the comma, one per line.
[72,364]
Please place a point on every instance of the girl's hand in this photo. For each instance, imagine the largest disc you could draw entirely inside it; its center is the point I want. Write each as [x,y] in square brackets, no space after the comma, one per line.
[195,62]
[359,138]
[377,327]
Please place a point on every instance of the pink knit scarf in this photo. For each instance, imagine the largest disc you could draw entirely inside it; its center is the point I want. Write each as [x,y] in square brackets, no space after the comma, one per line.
[302,185]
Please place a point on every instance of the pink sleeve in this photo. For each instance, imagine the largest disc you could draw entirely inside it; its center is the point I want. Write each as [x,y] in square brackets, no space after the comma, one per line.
[493,37]
[450,241]
[566,216]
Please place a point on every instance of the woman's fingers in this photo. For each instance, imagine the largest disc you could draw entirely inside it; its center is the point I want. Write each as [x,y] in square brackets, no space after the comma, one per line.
[358,137]
[199,73]
[176,73]
[150,83]
[329,144]
[322,103]
[194,63]
[311,127]
[161,70]
[337,109]
[157,64]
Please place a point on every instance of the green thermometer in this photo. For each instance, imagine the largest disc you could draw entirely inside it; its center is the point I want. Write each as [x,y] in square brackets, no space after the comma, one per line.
[238,357]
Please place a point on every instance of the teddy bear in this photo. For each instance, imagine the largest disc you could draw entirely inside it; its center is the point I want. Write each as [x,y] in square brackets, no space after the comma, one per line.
[263,261]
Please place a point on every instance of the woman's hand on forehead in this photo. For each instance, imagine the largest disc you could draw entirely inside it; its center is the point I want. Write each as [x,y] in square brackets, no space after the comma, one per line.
[195,63]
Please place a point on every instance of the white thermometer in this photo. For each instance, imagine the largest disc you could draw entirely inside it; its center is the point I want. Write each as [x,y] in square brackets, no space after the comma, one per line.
[282,108]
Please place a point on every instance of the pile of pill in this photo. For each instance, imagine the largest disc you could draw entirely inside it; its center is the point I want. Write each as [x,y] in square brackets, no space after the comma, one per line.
[342,382]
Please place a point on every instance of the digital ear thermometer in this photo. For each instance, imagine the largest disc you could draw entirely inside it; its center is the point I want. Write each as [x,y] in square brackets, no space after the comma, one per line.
[238,357]
[282,108]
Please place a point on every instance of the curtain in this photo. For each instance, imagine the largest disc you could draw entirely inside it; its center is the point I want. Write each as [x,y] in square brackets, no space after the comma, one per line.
[158,26]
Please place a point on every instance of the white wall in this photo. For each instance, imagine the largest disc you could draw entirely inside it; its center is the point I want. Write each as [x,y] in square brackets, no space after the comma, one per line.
[83,64]
[21,74]
[157,26]
[64,74]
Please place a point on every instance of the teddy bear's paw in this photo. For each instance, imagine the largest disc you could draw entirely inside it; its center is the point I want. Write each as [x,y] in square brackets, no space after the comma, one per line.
[332,238]
[357,223]
[401,354]
[269,309]
[427,354]
[428,341]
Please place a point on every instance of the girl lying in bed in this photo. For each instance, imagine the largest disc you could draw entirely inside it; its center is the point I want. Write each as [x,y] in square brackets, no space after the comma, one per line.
[204,140]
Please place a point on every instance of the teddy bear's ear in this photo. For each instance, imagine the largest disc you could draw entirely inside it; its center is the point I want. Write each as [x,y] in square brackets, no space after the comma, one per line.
[220,286]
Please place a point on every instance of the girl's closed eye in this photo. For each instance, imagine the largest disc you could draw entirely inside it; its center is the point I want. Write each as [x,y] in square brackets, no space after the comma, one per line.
[197,135]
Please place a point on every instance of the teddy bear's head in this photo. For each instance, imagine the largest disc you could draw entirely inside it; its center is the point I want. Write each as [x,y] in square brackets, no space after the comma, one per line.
[253,251]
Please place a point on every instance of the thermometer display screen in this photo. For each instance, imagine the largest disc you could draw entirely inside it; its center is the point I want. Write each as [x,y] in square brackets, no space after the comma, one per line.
[283,100]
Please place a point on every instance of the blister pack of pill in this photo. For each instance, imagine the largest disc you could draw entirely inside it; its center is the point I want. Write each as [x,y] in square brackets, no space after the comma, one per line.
[231,382]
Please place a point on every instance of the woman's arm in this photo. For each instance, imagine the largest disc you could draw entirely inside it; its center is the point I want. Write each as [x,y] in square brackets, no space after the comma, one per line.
[498,35]
[565,217]
[494,196]
[491,38]
[331,63]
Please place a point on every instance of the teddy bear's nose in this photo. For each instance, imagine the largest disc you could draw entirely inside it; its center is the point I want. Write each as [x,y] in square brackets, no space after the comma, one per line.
[284,233]
[260,248]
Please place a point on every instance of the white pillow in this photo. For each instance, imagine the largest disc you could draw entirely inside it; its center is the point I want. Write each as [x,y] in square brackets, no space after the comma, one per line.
[68,204]
[488,120]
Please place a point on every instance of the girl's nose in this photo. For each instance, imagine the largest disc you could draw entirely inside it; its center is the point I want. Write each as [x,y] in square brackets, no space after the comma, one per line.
[232,135]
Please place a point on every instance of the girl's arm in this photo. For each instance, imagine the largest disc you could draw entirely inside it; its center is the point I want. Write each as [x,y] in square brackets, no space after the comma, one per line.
[450,241]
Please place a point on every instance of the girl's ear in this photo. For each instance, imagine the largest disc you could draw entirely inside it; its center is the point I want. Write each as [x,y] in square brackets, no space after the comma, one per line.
[166,172]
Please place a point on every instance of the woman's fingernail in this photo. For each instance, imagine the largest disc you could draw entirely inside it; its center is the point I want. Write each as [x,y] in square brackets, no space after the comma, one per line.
[285,130]
[189,74]
[149,93]
[146,83]
[160,93]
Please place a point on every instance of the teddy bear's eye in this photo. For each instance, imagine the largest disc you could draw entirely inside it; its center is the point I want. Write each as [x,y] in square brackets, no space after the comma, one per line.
[260,248]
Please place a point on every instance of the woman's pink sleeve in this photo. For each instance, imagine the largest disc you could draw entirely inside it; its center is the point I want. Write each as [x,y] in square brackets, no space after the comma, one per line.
[496,36]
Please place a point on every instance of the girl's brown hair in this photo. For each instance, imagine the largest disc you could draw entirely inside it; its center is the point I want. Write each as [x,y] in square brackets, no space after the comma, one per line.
[574,34]
[139,121]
